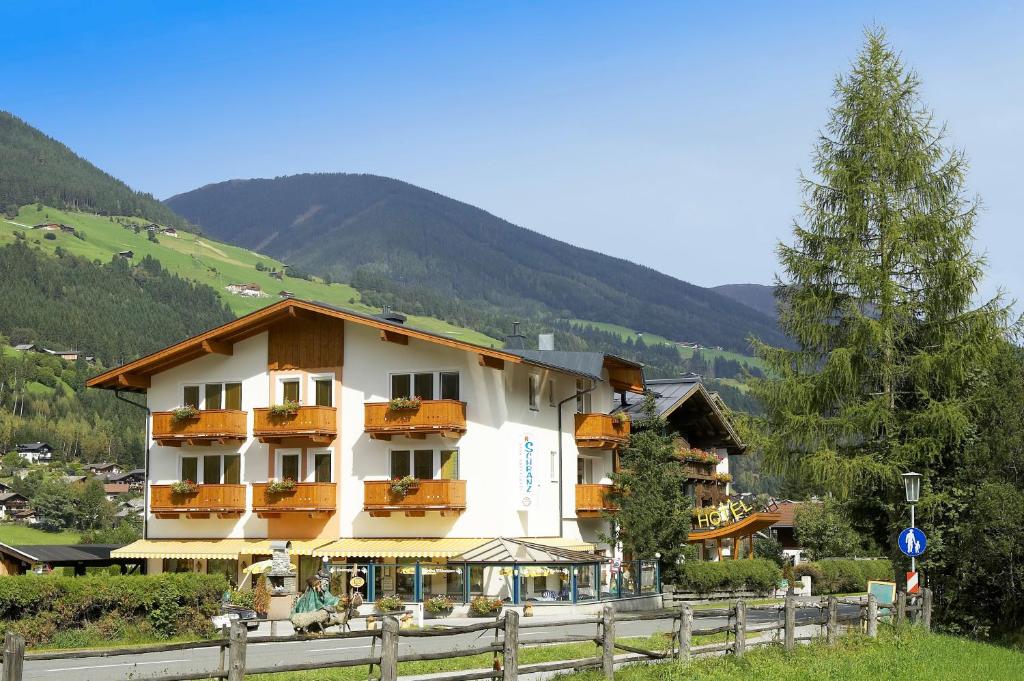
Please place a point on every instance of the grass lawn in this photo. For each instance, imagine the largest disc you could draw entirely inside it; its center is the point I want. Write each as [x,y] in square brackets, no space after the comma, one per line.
[20,534]
[904,655]
[201,259]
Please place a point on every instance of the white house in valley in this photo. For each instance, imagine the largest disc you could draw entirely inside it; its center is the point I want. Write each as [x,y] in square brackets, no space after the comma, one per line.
[418,463]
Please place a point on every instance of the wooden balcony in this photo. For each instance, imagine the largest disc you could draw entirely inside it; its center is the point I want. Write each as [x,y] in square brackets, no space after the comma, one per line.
[311,498]
[601,431]
[308,425]
[592,501]
[226,501]
[695,470]
[211,426]
[443,417]
[444,496]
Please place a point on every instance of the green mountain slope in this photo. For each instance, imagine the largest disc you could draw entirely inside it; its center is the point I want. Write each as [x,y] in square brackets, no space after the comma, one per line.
[196,258]
[756,296]
[37,168]
[393,238]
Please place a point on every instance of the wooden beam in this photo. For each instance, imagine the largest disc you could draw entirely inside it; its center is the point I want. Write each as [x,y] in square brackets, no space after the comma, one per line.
[394,337]
[491,362]
[218,347]
[132,381]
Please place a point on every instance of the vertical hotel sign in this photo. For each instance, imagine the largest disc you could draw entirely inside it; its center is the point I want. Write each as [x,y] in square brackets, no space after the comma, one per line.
[528,475]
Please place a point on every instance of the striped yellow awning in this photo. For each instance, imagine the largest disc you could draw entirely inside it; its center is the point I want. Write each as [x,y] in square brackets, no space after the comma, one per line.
[433,547]
[207,548]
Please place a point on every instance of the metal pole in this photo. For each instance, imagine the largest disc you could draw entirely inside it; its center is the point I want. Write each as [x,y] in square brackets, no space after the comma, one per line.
[913,561]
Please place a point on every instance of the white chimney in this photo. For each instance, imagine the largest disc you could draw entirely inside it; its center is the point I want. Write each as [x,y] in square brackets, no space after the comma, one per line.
[546,341]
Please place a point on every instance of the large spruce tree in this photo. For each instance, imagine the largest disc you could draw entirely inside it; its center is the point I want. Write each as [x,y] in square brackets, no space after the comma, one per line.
[878,294]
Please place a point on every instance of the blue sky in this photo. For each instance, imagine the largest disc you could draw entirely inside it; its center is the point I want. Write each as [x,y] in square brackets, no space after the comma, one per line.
[668,133]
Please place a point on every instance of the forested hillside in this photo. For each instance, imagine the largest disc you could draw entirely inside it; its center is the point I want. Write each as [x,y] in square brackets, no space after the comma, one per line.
[115,311]
[426,253]
[756,296]
[36,168]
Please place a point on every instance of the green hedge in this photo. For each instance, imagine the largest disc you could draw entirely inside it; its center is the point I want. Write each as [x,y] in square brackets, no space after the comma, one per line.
[41,607]
[845,575]
[760,575]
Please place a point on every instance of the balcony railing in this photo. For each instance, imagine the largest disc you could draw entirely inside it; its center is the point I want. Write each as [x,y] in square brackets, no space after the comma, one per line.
[310,424]
[208,427]
[601,430]
[444,496]
[444,417]
[695,470]
[307,497]
[593,500]
[224,500]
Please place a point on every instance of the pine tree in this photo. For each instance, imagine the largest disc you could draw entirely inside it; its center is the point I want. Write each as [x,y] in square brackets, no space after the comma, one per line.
[877,295]
[654,511]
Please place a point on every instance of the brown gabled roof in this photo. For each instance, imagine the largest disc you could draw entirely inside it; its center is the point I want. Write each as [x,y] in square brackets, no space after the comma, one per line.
[135,376]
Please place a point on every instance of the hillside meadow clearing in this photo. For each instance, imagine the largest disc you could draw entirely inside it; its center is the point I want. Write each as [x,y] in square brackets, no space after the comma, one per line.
[200,259]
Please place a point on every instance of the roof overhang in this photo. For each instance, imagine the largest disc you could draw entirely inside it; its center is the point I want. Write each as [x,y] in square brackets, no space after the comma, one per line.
[755,522]
[135,376]
[624,375]
[715,411]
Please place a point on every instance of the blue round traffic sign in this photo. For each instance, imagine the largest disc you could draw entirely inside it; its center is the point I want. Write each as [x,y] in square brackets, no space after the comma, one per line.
[912,542]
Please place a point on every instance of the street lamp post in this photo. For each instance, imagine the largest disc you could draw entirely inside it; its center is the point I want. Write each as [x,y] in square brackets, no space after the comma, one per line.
[912,485]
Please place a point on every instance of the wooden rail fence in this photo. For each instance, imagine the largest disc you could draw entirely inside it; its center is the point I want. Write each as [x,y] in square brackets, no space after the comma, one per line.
[506,646]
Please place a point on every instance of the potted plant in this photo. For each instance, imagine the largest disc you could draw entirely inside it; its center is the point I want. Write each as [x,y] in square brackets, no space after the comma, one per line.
[388,604]
[620,418]
[284,409]
[281,486]
[405,403]
[484,606]
[185,413]
[722,477]
[439,605]
[184,487]
[400,487]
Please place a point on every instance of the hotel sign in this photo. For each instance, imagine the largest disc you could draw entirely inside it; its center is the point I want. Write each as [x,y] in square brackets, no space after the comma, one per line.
[529,480]
[727,512]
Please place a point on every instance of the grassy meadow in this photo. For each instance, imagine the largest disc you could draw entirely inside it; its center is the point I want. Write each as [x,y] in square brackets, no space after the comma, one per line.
[20,534]
[199,259]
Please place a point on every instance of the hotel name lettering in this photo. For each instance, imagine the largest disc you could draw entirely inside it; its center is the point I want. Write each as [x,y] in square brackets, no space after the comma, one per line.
[723,514]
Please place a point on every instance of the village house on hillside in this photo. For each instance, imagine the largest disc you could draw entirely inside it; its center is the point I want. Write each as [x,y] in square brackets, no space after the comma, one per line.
[421,463]
[248,290]
[35,452]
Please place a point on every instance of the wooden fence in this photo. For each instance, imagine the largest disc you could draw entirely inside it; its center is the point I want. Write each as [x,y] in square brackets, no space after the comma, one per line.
[506,647]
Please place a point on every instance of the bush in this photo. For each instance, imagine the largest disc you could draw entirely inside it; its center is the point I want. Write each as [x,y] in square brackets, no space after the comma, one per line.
[389,603]
[845,575]
[759,575]
[38,607]
[481,606]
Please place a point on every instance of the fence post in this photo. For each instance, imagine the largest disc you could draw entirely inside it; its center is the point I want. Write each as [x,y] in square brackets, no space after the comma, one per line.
[510,669]
[741,628]
[833,620]
[872,616]
[790,623]
[14,656]
[926,609]
[685,632]
[389,649]
[236,651]
[901,606]
[607,642]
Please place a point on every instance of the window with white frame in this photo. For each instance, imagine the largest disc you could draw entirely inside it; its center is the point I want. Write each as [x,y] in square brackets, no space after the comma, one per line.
[289,464]
[425,464]
[583,403]
[584,470]
[212,469]
[222,395]
[288,389]
[426,385]
[322,390]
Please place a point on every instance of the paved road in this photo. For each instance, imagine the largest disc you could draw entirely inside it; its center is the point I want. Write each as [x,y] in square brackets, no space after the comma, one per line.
[261,655]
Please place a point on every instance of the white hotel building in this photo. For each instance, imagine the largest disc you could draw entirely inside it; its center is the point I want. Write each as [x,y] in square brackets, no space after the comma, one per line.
[511,451]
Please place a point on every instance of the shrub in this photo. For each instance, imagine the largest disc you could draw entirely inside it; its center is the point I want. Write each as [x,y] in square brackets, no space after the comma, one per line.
[759,575]
[245,598]
[846,575]
[38,607]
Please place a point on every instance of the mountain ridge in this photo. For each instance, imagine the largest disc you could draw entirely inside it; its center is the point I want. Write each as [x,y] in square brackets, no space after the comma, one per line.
[394,238]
